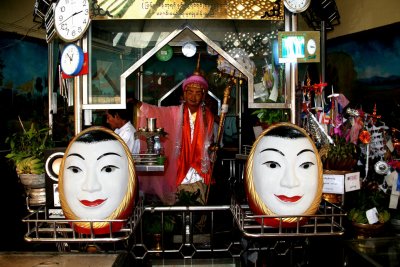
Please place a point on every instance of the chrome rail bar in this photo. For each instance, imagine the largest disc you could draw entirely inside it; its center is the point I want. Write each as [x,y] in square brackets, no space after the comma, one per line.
[42,229]
[328,221]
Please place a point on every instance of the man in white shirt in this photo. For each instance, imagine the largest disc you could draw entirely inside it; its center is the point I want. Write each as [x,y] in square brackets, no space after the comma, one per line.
[119,121]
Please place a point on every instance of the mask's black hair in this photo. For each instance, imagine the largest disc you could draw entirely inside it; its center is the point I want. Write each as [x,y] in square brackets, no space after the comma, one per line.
[95,136]
[286,131]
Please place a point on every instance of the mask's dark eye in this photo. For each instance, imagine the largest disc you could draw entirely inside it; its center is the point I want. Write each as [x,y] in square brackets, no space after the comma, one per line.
[272,164]
[306,165]
[74,169]
[109,168]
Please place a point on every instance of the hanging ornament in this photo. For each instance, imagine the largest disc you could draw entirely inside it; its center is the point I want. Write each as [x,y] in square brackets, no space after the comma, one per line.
[319,99]
[365,137]
[375,117]
[377,141]
[317,132]
[381,167]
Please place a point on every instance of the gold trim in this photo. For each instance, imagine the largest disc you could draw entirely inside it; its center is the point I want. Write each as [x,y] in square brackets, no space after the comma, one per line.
[251,192]
[128,198]
[205,9]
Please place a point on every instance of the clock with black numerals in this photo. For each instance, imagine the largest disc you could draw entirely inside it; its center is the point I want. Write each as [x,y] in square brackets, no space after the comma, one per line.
[71,19]
[72,59]
[297,6]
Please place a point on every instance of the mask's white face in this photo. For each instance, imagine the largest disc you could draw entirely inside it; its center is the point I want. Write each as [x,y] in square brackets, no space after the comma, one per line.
[96,176]
[285,174]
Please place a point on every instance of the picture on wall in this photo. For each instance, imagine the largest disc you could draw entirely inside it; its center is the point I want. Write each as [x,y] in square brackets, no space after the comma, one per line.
[23,82]
[365,67]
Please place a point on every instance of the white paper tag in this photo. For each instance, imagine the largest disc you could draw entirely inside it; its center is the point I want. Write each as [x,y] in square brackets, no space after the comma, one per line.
[333,184]
[56,214]
[391,181]
[372,216]
[56,196]
[257,131]
[389,145]
[389,178]
[352,181]
[394,200]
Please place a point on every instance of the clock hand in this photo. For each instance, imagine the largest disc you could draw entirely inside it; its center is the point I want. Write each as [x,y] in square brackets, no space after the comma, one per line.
[76,13]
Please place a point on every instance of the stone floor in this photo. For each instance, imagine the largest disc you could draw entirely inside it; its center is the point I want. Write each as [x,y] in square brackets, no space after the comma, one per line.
[46,259]
[43,259]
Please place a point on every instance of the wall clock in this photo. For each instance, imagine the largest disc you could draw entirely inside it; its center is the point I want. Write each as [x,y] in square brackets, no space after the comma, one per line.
[296,6]
[189,49]
[71,19]
[72,59]
[311,46]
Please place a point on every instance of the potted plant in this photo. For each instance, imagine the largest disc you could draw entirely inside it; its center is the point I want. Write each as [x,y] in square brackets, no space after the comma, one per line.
[27,153]
[369,197]
[341,155]
[267,117]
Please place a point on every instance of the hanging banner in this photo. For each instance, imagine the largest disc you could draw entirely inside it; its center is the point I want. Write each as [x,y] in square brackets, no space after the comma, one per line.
[187,9]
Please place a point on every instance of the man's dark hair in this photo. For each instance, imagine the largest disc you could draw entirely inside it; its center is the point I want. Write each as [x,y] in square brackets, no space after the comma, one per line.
[125,114]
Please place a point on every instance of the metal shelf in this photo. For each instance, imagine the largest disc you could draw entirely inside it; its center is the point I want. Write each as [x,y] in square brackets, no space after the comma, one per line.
[42,229]
[328,221]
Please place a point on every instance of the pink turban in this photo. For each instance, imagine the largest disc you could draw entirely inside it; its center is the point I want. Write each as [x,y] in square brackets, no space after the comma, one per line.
[195,80]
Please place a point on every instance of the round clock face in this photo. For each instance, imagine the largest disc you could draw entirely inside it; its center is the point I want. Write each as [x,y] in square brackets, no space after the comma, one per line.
[72,59]
[189,49]
[71,19]
[311,46]
[297,6]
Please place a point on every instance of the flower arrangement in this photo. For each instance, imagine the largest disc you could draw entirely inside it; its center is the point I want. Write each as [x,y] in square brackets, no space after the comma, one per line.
[356,141]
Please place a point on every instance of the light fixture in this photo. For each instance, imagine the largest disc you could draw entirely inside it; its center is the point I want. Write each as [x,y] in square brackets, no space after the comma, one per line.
[189,49]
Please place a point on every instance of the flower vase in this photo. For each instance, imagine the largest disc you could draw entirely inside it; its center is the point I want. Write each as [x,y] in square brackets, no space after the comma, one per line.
[365,230]
[30,180]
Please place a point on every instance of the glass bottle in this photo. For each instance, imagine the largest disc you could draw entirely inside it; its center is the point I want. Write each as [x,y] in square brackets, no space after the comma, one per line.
[157,145]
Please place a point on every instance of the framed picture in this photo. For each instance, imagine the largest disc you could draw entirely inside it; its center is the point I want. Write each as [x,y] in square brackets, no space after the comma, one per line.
[270,88]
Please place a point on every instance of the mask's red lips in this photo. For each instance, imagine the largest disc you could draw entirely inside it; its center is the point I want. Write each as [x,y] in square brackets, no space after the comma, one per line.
[94,203]
[288,199]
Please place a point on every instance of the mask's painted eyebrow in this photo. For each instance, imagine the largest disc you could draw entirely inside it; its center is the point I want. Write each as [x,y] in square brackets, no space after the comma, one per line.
[305,150]
[108,154]
[273,149]
[76,155]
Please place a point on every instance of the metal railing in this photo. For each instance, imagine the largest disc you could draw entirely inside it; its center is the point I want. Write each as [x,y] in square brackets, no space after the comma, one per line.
[328,221]
[197,230]
[42,229]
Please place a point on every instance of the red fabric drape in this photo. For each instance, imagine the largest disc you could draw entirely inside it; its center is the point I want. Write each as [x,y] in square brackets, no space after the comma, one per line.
[192,152]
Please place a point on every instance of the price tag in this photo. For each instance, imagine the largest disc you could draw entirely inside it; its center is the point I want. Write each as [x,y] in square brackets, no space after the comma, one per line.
[333,184]
[352,181]
[372,216]
[393,180]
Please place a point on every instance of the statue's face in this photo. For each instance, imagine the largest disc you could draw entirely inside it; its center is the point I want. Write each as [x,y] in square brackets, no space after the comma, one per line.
[285,174]
[95,178]
[193,96]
